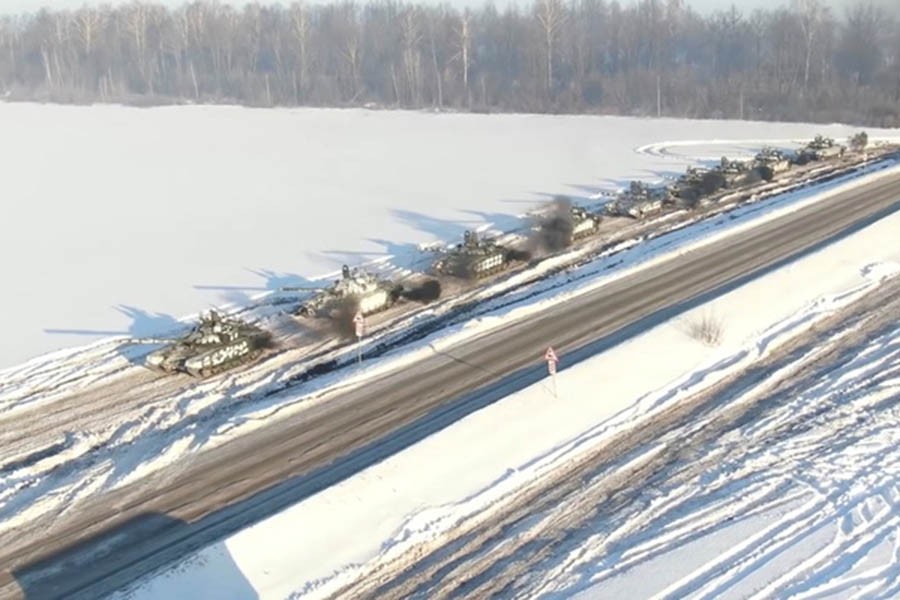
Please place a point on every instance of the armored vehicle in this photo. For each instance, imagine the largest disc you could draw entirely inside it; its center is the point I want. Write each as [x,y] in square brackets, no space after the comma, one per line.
[859,141]
[584,223]
[474,258]
[733,174]
[367,293]
[821,148]
[644,208]
[770,162]
[216,344]
[562,226]
[639,201]
[692,186]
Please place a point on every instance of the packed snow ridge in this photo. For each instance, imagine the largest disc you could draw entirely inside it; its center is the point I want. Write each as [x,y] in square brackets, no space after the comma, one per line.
[101,447]
[793,515]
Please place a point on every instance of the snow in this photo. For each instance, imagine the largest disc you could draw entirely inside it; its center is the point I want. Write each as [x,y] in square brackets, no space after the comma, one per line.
[370,520]
[202,195]
[111,448]
[124,220]
[121,446]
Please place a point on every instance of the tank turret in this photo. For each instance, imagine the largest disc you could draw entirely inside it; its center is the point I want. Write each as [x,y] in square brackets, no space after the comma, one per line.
[771,161]
[559,224]
[639,201]
[366,292]
[732,174]
[474,258]
[214,345]
[692,186]
[820,148]
[584,223]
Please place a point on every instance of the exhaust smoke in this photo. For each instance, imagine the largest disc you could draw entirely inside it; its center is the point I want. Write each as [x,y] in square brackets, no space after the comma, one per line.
[554,228]
[341,321]
[426,292]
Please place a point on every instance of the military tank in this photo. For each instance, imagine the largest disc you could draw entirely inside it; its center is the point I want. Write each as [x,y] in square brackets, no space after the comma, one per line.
[821,148]
[732,174]
[692,186]
[584,223]
[474,258]
[770,162]
[367,292]
[859,141]
[639,201]
[562,225]
[214,345]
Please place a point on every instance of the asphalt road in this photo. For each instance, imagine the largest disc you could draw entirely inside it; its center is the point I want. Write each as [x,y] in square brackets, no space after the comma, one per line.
[495,558]
[109,541]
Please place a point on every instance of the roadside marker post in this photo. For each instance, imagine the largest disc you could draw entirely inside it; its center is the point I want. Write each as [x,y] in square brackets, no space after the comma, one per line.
[552,359]
[359,323]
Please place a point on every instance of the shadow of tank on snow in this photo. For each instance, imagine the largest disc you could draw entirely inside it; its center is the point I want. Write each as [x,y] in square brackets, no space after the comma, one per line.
[115,545]
[145,330]
[272,282]
[143,324]
[444,230]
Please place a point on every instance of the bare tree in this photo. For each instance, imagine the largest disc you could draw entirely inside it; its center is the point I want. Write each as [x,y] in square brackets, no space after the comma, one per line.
[300,28]
[811,14]
[464,45]
[550,14]
[412,57]
[562,55]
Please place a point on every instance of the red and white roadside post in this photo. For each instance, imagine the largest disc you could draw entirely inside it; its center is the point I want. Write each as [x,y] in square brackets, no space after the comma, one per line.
[359,323]
[552,359]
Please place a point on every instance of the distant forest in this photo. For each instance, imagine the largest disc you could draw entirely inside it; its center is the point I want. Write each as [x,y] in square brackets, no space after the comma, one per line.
[650,57]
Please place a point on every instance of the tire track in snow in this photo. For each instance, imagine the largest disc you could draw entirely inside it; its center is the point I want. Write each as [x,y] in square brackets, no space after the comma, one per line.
[498,560]
[185,422]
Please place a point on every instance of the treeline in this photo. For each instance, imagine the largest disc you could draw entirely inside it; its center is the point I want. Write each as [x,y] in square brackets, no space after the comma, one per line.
[648,57]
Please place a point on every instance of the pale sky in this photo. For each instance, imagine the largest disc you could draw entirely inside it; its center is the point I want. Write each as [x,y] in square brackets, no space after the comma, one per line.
[746,6]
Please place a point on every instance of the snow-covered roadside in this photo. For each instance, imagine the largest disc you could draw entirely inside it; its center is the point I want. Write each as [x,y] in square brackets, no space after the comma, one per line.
[212,413]
[410,498]
[63,372]
[549,291]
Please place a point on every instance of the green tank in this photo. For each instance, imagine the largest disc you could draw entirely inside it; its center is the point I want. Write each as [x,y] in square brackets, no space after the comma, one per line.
[473,259]
[367,293]
[736,173]
[214,345]
[561,225]
[692,186]
[639,201]
[770,162]
[821,148]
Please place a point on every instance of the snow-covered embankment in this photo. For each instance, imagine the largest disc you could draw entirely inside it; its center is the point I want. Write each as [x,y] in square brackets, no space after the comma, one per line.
[452,479]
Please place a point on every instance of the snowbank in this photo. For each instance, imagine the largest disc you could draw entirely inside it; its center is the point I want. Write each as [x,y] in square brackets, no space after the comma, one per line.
[333,537]
[162,425]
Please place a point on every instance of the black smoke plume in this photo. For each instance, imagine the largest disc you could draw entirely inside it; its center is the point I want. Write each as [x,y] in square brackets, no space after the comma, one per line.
[554,228]
[341,321]
[513,254]
[263,341]
[426,292]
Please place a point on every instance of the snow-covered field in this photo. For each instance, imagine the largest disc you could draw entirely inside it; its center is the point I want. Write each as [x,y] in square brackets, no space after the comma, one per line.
[812,507]
[135,425]
[160,212]
[118,221]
